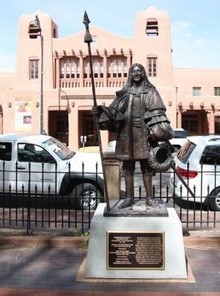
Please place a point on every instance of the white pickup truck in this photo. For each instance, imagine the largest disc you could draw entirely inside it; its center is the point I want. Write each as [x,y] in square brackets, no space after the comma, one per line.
[41,166]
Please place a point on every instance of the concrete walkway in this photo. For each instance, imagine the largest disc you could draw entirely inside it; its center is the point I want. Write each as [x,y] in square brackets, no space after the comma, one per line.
[54,265]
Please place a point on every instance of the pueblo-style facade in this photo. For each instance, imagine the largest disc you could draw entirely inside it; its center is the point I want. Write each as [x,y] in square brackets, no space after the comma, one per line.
[51,87]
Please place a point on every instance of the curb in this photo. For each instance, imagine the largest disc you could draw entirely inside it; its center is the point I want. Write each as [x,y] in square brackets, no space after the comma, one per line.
[82,242]
[44,241]
[202,243]
[194,239]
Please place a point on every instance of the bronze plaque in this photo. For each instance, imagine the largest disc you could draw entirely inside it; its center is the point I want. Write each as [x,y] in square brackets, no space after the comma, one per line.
[135,250]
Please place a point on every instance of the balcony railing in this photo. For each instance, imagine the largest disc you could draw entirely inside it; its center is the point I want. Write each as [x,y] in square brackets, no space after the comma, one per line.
[99,82]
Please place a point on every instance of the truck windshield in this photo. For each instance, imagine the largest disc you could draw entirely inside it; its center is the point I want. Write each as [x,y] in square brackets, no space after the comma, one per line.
[61,150]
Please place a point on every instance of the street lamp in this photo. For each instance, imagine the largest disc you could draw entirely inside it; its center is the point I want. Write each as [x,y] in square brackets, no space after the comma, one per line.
[34,32]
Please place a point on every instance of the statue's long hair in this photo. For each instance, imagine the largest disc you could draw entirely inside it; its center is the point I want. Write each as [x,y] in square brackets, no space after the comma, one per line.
[145,80]
[123,94]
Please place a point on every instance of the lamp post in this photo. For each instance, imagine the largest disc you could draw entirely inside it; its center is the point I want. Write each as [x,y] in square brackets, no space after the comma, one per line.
[34,32]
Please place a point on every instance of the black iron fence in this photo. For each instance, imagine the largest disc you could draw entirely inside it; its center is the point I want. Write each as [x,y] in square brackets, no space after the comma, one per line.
[46,210]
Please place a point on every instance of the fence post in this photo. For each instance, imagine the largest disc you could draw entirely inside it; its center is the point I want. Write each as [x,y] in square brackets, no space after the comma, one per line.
[29,199]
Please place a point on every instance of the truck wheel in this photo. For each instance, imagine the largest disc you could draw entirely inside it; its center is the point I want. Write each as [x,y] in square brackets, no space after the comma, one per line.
[88,196]
[214,199]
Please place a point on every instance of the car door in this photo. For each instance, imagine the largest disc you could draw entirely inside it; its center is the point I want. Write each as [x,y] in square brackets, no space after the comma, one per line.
[36,169]
[7,171]
[210,161]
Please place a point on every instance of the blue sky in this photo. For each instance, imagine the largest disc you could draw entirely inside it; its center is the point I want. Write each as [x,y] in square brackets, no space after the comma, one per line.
[195,25]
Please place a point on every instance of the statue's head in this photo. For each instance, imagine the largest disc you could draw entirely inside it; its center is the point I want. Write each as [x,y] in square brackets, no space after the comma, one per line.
[137,76]
[137,72]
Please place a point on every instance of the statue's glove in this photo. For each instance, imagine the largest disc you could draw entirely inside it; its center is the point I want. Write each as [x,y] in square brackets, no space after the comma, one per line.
[161,131]
[97,110]
[158,125]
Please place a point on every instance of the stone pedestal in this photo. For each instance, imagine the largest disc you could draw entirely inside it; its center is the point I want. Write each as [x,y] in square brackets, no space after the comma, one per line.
[167,230]
[112,171]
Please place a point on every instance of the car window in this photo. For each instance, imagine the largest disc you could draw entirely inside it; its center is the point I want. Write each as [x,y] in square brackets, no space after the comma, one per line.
[180,134]
[185,152]
[5,151]
[61,150]
[33,153]
[211,155]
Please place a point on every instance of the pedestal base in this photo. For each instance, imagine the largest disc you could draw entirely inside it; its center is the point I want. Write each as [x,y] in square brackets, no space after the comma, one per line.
[171,266]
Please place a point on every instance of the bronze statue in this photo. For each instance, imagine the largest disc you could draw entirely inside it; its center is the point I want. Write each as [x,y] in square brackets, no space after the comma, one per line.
[138,117]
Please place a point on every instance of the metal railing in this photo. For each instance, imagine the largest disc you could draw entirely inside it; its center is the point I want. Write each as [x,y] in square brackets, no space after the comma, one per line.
[34,211]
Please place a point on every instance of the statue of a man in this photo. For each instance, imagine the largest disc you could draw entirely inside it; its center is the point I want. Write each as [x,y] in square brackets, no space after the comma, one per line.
[137,116]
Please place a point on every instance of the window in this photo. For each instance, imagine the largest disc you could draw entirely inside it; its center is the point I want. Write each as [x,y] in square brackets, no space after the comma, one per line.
[184,154]
[87,128]
[33,69]
[152,28]
[152,66]
[98,67]
[197,91]
[211,155]
[54,33]
[190,123]
[217,124]
[62,123]
[5,151]
[117,67]
[69,68]
[33,153]
[217,91]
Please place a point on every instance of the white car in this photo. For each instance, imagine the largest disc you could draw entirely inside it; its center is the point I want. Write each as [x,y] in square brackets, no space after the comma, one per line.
[197,172]
[180,138]
[40,165]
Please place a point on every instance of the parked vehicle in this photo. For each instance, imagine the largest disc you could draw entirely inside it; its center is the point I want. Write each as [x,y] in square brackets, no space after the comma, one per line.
[180,138]
[198,163]
[40,165]
[111,146]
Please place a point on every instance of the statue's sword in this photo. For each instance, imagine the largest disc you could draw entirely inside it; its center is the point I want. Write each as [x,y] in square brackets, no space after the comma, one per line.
[88,40]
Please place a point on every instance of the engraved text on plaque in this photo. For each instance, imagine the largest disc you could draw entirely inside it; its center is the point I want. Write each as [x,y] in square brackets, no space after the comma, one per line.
[135,250]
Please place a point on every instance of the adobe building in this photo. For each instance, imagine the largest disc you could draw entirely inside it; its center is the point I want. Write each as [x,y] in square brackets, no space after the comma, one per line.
[51,89]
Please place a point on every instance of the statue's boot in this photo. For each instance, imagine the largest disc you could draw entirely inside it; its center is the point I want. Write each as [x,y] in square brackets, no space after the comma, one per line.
[147,179]
[129,185]
[126,203]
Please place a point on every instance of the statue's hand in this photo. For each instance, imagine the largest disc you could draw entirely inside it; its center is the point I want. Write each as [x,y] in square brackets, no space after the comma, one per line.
[97,110]
[161,131]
